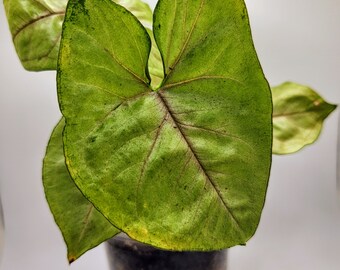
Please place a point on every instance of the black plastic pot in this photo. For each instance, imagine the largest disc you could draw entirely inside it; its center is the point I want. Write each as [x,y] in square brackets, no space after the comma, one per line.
[127,254]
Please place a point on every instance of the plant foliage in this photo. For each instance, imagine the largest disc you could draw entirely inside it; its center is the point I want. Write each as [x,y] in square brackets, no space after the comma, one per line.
[83,227]
[298,116]
[198,148]
[168,133]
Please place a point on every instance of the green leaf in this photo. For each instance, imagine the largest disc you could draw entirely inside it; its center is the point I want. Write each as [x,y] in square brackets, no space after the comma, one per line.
[184,167]
[155,63]
[82,226]
[298,116]
[36,28]
[139,9]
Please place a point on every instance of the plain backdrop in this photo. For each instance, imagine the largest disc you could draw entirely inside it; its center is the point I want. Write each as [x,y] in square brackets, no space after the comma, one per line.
[300,226]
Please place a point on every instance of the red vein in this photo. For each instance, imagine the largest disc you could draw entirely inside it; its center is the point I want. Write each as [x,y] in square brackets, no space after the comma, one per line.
[196,159]
[183,169]
[100,122]
[86,221]
[187,41]
[43,17]
[216,132]
[146,160]
[200,78]
[99,88]
[123,66]
[111,54]
[136,43]
[46,55]
[291,114]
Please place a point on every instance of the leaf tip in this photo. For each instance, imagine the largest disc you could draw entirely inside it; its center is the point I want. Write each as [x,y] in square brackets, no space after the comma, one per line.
[71,258]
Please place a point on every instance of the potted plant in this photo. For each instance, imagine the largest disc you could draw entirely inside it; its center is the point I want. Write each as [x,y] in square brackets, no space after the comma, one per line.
[165,147]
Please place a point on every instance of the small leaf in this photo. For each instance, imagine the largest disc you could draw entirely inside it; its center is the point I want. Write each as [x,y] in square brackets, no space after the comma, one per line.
[185,167]
[155,63]
[298,116]
[36,28]
[82,226]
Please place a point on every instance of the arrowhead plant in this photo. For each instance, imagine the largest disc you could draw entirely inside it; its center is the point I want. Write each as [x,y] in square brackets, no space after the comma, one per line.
[167,134]
[199,147]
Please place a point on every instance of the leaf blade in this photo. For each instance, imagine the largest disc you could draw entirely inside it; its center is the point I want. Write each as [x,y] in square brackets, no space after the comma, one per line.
[82,226]
[141,155]
[36,27]
[246,109]
[298,116]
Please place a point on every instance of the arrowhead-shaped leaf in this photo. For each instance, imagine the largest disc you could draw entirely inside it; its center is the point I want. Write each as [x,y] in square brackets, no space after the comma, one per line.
[182,168]
[298,116]
[82,226]
[36,28]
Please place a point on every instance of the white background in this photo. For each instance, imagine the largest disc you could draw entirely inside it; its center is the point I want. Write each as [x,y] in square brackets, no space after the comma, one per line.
[300,227]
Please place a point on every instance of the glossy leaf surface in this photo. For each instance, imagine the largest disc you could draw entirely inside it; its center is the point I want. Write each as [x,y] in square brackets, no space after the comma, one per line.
[298,116]
[36,28]
[82,226]
[183,168]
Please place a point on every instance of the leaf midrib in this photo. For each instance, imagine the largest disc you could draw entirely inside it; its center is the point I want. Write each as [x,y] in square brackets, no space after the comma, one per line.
[173,65]
[311,110]
[169,113]
[86,221]
[43,17]
[199,164]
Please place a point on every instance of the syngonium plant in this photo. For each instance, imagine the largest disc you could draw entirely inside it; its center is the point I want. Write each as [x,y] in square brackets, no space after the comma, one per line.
[167,134]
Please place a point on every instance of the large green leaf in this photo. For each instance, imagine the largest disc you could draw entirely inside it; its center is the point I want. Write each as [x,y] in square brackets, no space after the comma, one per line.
[298,116]
[182,168]
[36,28]
[82,226]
